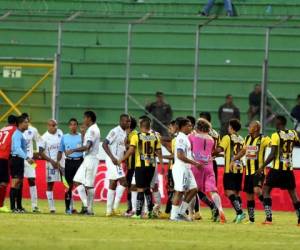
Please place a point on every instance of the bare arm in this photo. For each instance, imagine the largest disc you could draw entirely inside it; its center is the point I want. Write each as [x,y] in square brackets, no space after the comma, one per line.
[239,155]
[129,152]
[108,152]
[45,157]
[181,156]
[80,149]
[271,156]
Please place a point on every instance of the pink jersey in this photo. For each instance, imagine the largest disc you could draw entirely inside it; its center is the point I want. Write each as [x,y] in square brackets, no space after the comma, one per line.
[202,147]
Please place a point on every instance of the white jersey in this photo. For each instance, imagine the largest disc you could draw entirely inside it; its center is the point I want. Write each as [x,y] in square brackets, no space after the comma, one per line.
[116,142]
[93,135]
[30,135]
[51,143]
[182,143]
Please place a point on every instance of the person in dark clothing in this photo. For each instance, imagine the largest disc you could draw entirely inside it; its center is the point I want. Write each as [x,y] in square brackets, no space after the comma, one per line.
[161,111]
[296,114]
[227,111]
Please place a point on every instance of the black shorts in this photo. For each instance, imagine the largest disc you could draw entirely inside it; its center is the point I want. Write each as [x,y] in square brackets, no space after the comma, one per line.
[129,176]
[252,181]
[215,165]
[143,176]
[17,167]
[71,167]
[4,172]
[170,184]
[232,181]
[281,179]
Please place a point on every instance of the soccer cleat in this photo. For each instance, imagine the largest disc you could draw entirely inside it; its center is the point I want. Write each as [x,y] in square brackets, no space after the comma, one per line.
[83,210]
[15,211]
[267,222]
[4,209]
[164,216]
[129,213]
[138,217]
[222,217]
[215,214]
[240,218]
[197,216]
[69,212]
[234,220]
[116,213]
[52,211]
[249,222]
[22,210]
[181,217]
[36,210]
[109,214]
[91,213]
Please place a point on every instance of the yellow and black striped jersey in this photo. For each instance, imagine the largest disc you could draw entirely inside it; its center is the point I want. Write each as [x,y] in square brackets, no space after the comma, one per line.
[131,159]
[232,145]
[285,141]
[255,152]
[171,162]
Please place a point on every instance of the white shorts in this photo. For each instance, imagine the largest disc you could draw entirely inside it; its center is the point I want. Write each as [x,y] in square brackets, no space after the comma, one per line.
[155,180]
[184,179]
[113,171]
[29,172]
[52,174]
[86,174]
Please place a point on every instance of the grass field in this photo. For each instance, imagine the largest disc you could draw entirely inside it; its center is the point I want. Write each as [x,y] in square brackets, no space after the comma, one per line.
[59,231]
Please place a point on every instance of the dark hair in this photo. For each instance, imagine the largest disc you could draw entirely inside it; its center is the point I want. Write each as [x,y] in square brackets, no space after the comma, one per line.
[173,122]
[192,120]
[91,115]
[182,122]
[12,120]
[228,95]
[143,117]
[26,115]
[159,93]
[235,124]
[146,123]
[21,119]
[73,120]
[203,125]
[205,115]
[124,116]
[133,123]
[282,119]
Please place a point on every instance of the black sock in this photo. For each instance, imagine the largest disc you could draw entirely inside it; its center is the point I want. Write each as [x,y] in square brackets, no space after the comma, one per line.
[129,204]
[139,203]
[19,197]
[235,204]
[207,201]
[12,195]
[297,208]
[268,208]
[149,199]
[169,202]
[239,200]
[68,197]
[261,198]
[251,208]
[197,204]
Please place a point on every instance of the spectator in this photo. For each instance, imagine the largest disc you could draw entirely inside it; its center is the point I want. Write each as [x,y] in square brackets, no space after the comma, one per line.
[162,112]
[227,111]
[296,114]
[210,4]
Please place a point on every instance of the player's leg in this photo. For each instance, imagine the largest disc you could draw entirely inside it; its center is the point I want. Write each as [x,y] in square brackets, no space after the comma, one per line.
[170,188]
[129,176]
[78,182]
[50,196]
[156,193]
[111,192]
[177,199]
[4,180]
[251,207]
[29,173]
[149,174]
[140,180]
[296,202]
[91,172]
[258,181]
[119,193]
[208,7]
[267,203]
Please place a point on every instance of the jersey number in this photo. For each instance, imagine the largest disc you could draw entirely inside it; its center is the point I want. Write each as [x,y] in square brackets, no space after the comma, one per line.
[287,147]
[3,136]
[148,150]
[237,148]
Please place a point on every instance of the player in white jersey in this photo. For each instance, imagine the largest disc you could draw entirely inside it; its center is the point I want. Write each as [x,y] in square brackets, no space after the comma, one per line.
[184,181]
[85,176]
[48,148]
[31,135]
[115,146]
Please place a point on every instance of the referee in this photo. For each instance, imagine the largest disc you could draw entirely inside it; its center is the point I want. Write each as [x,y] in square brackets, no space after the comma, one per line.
[73,161]
[18,155]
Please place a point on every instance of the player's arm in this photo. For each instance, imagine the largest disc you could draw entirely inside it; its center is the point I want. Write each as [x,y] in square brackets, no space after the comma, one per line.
[108,152]
[269,159]
[83,148]
[181,156]
[240,154]
[128,153]
[46,158]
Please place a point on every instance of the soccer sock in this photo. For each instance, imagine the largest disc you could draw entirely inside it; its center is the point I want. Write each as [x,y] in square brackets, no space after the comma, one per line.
[174,212]
[12,195]
[19,197]
[169,202]
[205,199]
[110,200]
[2,194]
[133,200]
[50,200]
[261,198]
[251,208]
[217,200]
[90,199]
[191,207]
[196,204]
[129,201]
[119,193]
[184,206]
[268,208]
[297,208]
[33,196]
[148,195]
[145,207]
[139,203]
[240,200]
[68,199]
[235,204]
[82,194]
[157,198]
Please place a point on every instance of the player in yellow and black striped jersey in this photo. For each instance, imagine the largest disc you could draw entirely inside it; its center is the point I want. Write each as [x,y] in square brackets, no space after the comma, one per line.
[254,151]
[231,144]
[281,174]
[145,146]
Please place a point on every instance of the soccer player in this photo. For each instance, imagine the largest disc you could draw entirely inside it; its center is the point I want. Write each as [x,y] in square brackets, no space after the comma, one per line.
[115,146]
[281,175]
[184,181]
[69,141]
[202,147]
[48,148]
[6,134]
[254,150]
[146,146]
[231,144]
[18,156]
[85,176]
[31,135]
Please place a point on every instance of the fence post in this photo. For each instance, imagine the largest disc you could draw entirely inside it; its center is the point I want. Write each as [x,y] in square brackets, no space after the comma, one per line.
[196,71]
[128,64]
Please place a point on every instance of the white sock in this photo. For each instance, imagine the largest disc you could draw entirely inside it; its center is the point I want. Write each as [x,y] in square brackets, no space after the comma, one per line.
[82,194]
[119,193]
[133,200]
[145,209]
[33,196]
[157,198]
[184,206]
[110,200]
[174,212]
[217,200]
[50,198]
[90,199]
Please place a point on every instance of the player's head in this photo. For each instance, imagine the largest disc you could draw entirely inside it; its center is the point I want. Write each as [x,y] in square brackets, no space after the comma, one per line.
[124,121]
[159,96]
[280,122]
[133,123]
[144,117]
[73,125]
[52,126]
[172,128]
[254,128]
[184,126]
[234,126]
[89,118]
[192,120]
[145,124]
[257,88]
[22,123]
[205,115]
[12,120]
[26,115]
[229,99]
[203,125]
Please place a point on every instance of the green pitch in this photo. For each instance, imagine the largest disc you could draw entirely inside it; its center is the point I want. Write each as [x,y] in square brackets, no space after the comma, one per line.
[59,231]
